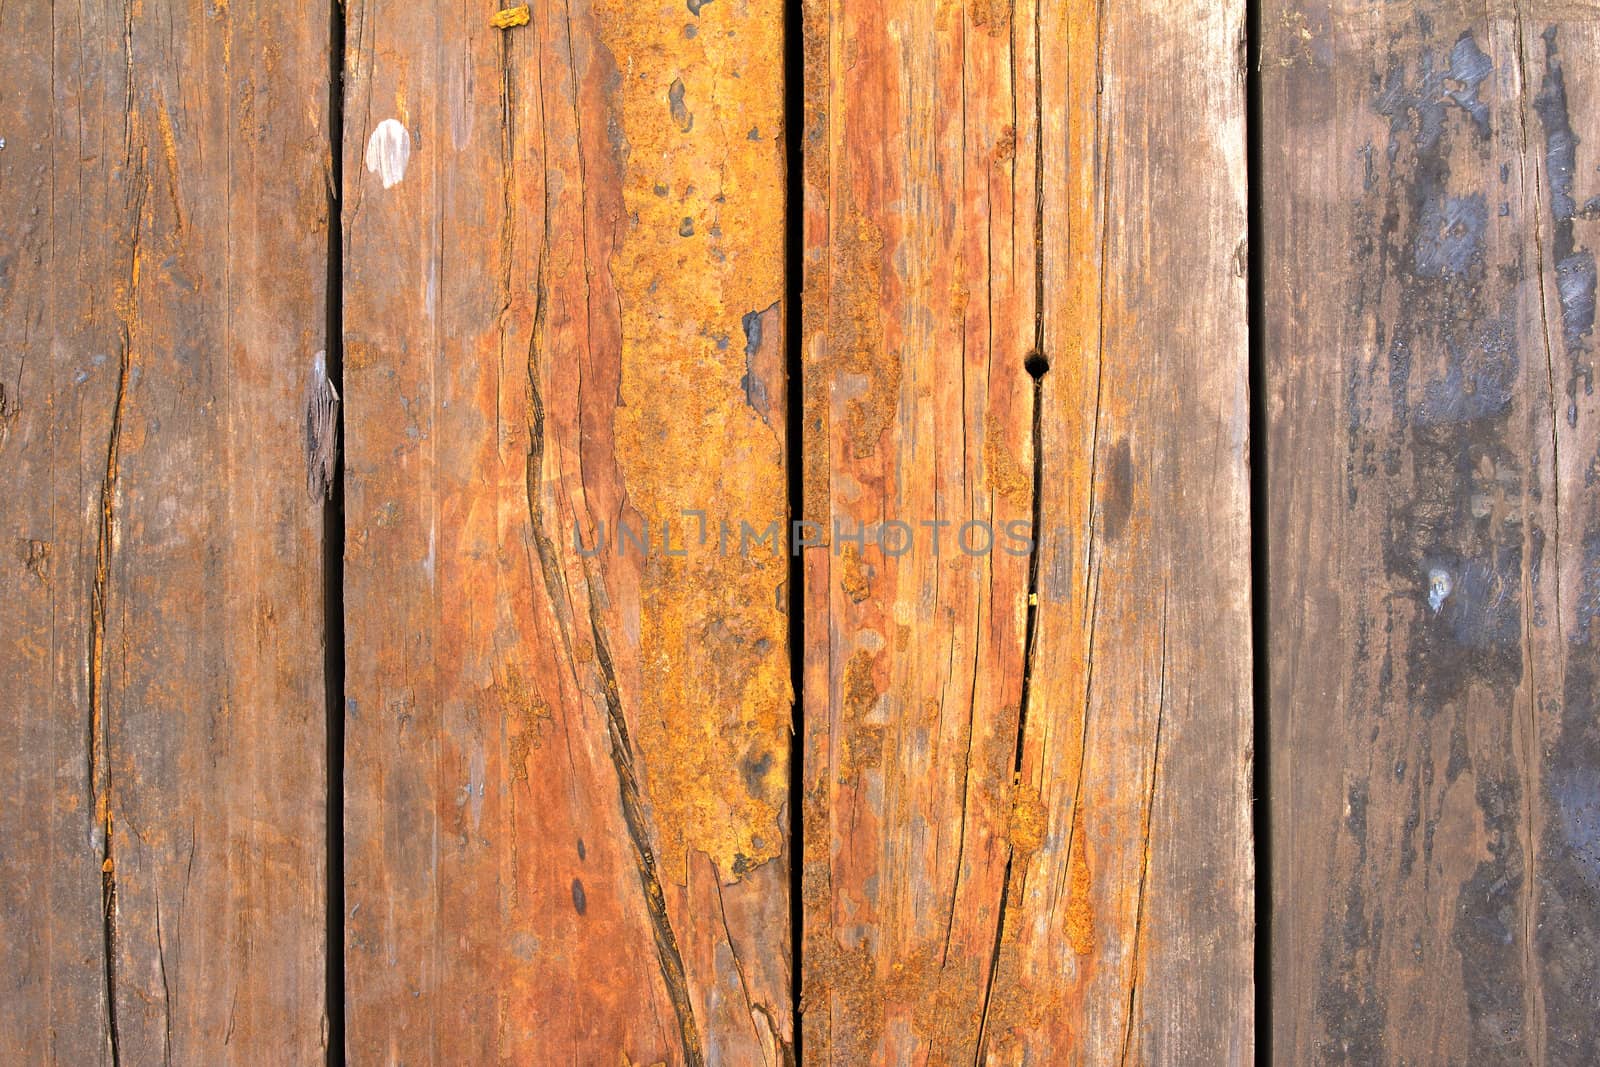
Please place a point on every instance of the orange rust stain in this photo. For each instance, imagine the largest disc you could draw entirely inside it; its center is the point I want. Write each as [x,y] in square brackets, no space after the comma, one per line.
[816,293]
[1005,146]
[862,742]
[1029,821]
[527,720]
[815,471]
[1005,473]
[1080,907]
[902,639]
[1021,1010]
[991,16]
[702,247]
[944,998]
[854,579]
[625,1060]
[856,363]
[819,948]
[842,994]
[960,297]
[169,147]
[506,18]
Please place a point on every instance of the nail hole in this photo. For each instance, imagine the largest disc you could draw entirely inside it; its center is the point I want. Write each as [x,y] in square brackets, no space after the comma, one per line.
[1036,364]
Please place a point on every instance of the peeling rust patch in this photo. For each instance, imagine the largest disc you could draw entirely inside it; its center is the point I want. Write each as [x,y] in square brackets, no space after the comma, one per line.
[714,676]
[855,578]
[1008,477]
[1029,821]
[863,741]
[857,364]
[510,17]
[527,718]
[1080,905]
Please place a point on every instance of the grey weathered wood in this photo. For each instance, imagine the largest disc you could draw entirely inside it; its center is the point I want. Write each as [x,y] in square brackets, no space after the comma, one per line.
[163,206]
[1434,530]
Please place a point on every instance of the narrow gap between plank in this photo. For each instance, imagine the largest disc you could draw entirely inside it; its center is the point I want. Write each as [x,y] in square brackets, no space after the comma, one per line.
[794,400]
[1260,784]
[333,556]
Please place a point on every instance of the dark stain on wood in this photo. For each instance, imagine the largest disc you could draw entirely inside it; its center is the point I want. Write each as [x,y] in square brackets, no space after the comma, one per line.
[1423,691]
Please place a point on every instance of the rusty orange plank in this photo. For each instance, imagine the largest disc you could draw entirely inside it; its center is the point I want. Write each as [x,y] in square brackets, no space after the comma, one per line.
[1027,804]
[567,770]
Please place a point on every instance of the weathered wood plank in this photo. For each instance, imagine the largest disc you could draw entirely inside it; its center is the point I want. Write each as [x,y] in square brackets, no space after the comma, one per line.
[1433,530]
[919,303]
[1027,831]
[566,775]
[162,266]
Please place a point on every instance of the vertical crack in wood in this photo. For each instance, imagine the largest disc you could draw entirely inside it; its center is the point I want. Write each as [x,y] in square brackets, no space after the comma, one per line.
[508,208]
[1544,309]
[551,575]
[1144,858]
[166,989]
[1530,769]
[549,565]
[671,960]
[1035,364]
[750,1004]
[99,763]
[99,728]
[1551,105]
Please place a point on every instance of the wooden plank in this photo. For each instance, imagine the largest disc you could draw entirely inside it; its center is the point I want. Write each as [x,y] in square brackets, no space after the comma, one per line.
[1434,535]
[1027,833]
[162,269]
[566,773]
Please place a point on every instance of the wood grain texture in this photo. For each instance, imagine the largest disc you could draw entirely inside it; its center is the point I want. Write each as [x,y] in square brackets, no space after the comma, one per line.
[164,216]
[1027,834]
[566,774]
[1434,530]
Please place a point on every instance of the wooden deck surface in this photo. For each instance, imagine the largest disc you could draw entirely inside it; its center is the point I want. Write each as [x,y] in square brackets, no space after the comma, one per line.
[756,532]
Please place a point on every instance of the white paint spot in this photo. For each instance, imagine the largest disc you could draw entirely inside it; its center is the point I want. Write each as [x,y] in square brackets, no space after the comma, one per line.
[1439,587]
[388,152]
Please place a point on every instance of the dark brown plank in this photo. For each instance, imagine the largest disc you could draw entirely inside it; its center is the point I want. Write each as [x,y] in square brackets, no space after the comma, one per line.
[566,781]
[163,211]
[1434,531]
[1027,834]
